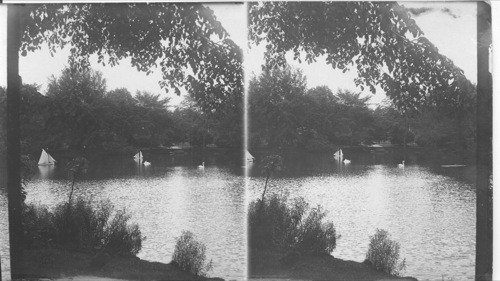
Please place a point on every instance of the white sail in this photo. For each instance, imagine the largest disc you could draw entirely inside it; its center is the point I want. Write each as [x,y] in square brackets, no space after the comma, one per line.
[138,156]
[249,156]
[46,159]
[51,160]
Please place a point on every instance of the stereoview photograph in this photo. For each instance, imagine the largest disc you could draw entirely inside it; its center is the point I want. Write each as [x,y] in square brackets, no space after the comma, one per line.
[246,141]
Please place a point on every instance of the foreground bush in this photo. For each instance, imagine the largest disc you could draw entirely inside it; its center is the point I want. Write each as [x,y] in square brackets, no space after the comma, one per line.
[190,255]
[383,253]
[273,224]
[38,226]
[82,226]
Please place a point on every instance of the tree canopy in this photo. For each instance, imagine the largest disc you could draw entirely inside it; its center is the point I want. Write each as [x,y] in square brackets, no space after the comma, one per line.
[379,39]
[185,41]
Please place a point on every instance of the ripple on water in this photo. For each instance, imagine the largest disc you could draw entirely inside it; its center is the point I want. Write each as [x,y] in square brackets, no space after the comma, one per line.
[432,216]
[209,203]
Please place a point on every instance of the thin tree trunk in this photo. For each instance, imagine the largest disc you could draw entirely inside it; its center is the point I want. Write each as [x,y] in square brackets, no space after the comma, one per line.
[71,192]
[13,139]
[265,187]
[405,136]
[203,151]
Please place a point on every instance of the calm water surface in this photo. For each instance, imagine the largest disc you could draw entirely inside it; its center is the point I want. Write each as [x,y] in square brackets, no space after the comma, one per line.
[165,198]
[430,211]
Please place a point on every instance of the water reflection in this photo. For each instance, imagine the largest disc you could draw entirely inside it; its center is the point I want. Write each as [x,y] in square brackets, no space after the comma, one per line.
[46,171]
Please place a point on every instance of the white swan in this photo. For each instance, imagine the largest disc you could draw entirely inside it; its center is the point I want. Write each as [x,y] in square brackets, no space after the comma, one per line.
[202,166]
[146,163]
[401,165]
[347,161]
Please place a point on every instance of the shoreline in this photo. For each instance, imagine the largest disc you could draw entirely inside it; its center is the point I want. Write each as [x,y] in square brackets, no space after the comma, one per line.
[53,263]
[269,264]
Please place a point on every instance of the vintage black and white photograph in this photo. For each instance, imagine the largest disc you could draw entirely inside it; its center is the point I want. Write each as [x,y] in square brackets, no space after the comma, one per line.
[362,120]
[274,140]
[131,134]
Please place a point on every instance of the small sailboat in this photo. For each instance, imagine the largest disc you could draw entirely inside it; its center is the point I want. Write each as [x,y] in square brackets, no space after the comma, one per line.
[249,157]
[202,166]
[138,156]
[401,165]
[338,155]
[46,159]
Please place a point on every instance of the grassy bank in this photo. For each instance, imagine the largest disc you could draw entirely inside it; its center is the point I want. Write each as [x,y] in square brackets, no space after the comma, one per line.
[56,263]
[274,264]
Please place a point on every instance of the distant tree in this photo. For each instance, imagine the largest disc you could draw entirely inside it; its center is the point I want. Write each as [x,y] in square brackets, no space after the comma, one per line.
[352,99]
[323,113]
[276,101]
[83,87]
[77,100]
[191,124]
[120,96]
[33,117]
[389,124]
[356,118]
[120,114]
[154,121]
[284,113]
[151,101]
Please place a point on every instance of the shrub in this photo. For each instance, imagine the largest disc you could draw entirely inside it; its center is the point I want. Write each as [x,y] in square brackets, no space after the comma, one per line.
[83,226]
[383,253]
[273,224]
[315,235]
[190,256]
[120,237]
[37,224]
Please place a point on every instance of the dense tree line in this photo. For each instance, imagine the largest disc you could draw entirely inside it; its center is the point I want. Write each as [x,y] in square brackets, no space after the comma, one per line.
[285,113]
[79,112]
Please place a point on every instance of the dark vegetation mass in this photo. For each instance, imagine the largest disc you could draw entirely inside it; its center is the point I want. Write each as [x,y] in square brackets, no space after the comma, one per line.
[79,112]
[82,227]
[285,113]
[290,227]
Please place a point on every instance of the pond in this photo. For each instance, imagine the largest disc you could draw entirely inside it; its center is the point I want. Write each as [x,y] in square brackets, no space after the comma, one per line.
[429,210]
[165,198]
